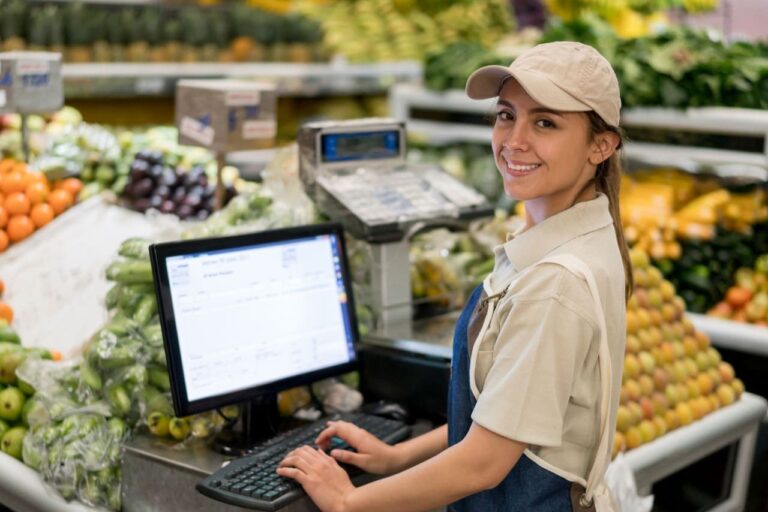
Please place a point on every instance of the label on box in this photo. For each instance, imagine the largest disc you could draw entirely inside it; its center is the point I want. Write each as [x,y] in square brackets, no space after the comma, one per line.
[259,129]
[242,98]
[32,67]
[197,131]
[2,98]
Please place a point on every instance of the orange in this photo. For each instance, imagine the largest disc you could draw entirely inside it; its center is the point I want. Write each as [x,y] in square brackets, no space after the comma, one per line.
[17,204]
[6,312]
[6,164]
[60,200]
[3,217]
[37,192]
[74,185]
[13,182]
[19,228]
[35,176]
[3,240]
[41,214]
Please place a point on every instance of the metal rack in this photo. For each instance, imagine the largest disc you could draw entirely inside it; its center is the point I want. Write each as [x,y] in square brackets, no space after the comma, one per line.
[105,80]
[411,103]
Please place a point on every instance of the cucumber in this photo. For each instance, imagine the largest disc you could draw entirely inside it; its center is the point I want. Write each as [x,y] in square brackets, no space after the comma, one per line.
[130,272]
[119,400]
[145,310]
[159,378]
[137,248]
[90,376]
[131,296]
[113,296]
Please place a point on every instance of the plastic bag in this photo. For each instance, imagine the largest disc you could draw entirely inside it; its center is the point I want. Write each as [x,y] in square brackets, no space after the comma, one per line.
[621,481]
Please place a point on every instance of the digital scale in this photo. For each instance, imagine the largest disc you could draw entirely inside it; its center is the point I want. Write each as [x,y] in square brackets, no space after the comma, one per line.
[356,173]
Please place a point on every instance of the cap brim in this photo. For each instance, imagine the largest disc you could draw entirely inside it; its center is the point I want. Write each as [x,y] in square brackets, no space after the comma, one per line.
[486,83]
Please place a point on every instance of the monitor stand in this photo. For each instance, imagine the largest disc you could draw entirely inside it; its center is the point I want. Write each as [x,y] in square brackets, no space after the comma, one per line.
[258,422]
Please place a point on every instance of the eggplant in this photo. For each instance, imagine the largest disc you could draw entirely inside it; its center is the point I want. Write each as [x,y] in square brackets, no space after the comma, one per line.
[168,206]
[143,187]
[141,204]
[185,211]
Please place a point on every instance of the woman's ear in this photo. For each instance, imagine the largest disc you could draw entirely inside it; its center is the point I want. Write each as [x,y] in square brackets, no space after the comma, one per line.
[603,146]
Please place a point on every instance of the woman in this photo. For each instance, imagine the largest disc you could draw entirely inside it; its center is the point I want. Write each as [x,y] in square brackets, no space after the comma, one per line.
[534,393]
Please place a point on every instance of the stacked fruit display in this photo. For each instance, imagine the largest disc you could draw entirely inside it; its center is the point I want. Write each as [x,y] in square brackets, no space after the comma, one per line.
[27,202]
[747,299]
[382,30]
[153,184]
[672,376]
[92,33]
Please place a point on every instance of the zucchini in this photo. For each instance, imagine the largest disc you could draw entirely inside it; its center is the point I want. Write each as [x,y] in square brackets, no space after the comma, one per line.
[130,272]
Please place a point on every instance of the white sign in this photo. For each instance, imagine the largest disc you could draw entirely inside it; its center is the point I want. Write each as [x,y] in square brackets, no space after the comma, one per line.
[259,129]
[32,67]
[242,98]
[197,131]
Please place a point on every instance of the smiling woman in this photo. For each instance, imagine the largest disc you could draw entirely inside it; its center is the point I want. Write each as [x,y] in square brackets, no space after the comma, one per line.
[539,347]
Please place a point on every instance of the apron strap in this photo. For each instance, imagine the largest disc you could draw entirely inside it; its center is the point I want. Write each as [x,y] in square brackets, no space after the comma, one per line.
[602,458]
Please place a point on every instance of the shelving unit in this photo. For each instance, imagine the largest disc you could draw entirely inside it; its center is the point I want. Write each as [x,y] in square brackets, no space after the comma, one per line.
[417,107]
[106,80]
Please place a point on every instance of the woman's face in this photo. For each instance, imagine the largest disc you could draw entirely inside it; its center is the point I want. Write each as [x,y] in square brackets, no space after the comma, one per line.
[543,155]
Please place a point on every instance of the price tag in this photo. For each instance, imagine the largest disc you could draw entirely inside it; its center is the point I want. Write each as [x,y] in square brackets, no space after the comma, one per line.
[33,67]
[197,131]
[242,98]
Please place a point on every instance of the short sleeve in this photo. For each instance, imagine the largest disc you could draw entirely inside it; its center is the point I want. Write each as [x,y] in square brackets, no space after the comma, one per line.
[540,349]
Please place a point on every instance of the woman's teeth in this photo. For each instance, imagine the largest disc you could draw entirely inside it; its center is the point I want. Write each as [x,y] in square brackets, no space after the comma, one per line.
[523,168]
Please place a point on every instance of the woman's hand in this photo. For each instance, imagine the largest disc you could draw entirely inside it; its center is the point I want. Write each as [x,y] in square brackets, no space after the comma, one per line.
[320,476]
[373,455]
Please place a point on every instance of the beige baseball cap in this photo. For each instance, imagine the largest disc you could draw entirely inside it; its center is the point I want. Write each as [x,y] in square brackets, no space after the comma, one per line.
[565,76]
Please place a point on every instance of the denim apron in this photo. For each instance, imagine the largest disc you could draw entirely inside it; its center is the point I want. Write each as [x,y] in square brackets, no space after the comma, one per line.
[528,487]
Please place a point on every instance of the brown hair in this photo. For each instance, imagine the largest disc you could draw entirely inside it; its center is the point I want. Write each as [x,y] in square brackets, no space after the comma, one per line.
[608,181]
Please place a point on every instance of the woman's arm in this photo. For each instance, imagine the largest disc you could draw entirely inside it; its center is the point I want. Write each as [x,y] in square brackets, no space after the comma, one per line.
[480,461]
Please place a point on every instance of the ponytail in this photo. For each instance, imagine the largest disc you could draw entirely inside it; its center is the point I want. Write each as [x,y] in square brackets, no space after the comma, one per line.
[608,182]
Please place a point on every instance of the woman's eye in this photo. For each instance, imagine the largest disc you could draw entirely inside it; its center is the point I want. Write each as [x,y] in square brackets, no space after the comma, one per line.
[545,123]
[505,116]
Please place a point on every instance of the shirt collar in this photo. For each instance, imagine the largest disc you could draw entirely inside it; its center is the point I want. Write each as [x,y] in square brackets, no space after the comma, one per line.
[526,248]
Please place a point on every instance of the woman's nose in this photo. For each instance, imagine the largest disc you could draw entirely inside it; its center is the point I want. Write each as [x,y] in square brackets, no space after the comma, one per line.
[516,138]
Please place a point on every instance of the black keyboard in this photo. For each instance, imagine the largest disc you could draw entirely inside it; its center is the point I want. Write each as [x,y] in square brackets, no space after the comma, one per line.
[251,481]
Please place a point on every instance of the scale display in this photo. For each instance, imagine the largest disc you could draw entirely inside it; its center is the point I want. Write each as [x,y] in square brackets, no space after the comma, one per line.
[348,147]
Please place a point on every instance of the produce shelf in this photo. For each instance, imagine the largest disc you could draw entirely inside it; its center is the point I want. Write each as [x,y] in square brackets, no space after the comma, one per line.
[680,448]
[95,80]
[733,335]
[423,109]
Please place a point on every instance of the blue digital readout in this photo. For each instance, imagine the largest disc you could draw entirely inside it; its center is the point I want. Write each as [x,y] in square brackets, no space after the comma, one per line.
[346,147]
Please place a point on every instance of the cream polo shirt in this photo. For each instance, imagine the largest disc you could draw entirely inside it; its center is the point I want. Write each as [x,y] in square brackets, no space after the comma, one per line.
[536,368]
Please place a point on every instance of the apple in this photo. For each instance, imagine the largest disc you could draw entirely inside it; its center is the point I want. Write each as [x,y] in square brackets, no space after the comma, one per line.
[633,344]
[721,310]
[703,361]
[660,403]
[647,431]
[661,426]
[690,345]
[656,317]
[633,390]
[632,366]
[697,409]
[693,388]
[680,370]
[655,300]
[619,444]
[738,387]
[726,394]
[641,280]
[688,326]
[646,338]
[646,385]
[672,394]
[633,324]
[637,412]
[669,313]
[667,352]
[705,384]
[660,379]
[726,372]
[679,349]
[643,319]
[692,367]
[672,418]
[714,374]
[623,419]
[683,392]
[633,438]
[667,290]
[655,277]
[714,401]
[714,356]
[647,362]
[702,339]
[684,413]
[646,404]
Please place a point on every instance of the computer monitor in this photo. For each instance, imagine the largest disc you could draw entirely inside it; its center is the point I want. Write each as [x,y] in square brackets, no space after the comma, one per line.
[246,316]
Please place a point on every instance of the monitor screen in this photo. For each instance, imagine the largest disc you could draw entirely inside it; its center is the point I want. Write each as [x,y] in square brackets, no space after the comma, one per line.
[345,147]
[255,313]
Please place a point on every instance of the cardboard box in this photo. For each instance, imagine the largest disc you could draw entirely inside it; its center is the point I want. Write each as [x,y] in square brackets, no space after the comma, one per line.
[226,115]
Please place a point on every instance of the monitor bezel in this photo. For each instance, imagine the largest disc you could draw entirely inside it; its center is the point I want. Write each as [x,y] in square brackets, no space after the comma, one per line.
[158,256]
